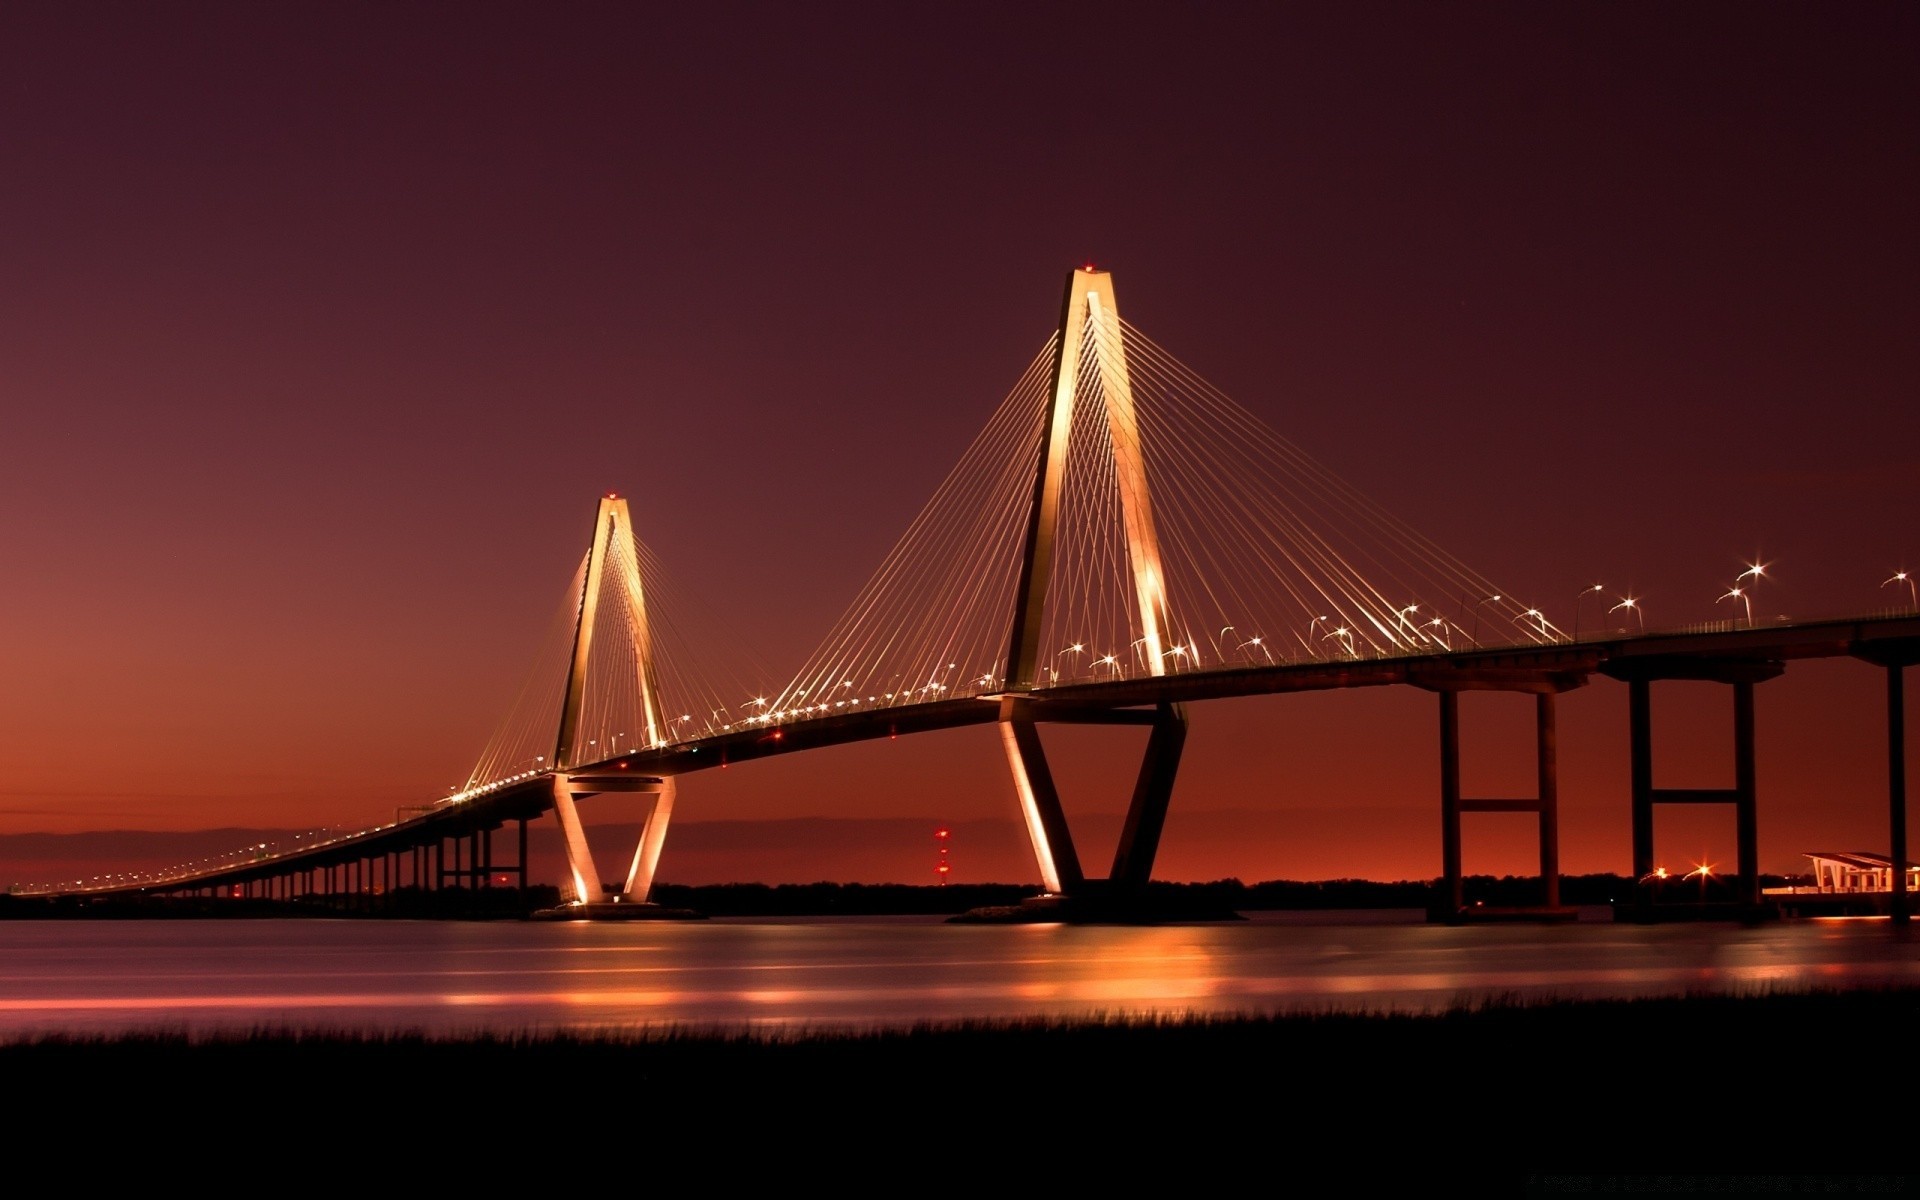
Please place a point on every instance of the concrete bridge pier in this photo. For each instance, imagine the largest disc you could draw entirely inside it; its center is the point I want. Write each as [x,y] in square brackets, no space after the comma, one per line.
[1896,657]
[1070,895]
[655,795]
[1452,905]
[1741,675]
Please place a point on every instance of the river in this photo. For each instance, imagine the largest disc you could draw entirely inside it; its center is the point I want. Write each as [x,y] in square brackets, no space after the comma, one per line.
[447,978]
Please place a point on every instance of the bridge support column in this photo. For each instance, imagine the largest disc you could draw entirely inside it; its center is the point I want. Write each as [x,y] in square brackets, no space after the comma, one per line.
[1746,817]
[1741,675]
[1545,804]
[1895,657]
[1640,749]
[523,858]
[1897,788]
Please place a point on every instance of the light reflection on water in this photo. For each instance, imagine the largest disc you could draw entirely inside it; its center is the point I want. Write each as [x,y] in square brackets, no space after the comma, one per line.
[787,975]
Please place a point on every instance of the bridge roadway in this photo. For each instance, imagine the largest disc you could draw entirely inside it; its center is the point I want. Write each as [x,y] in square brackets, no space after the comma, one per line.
[1721,653]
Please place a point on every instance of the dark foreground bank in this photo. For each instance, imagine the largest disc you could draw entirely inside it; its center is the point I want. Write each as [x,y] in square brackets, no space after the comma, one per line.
[1813,1086]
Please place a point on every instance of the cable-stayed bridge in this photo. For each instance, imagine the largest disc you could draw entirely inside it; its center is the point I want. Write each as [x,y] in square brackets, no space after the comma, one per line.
[1120,540]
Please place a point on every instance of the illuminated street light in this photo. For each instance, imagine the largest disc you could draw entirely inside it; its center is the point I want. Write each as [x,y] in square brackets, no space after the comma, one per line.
[1582,594]
[1704,871]
[1400,618]
[1308,642]
[1076,648]
[1906,577]
[1740,595]
[1639,614]
[1474,635]
[1346,637]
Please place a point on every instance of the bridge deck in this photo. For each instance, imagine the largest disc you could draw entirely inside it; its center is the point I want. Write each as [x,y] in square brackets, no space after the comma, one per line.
[1546,667]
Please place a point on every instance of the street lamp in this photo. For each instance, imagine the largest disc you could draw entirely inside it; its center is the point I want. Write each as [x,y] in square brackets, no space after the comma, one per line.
[1538,616]
[1582,594]
[1256,641]
[1076,648]
[1740,594]
[1628,602]
[1308,643]
[1906,577]
[1655,877]
[1346,637]
[1401,619]
[1474,636]
[1704,871]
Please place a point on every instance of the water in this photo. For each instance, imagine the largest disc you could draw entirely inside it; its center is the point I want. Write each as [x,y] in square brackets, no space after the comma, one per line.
[444,978]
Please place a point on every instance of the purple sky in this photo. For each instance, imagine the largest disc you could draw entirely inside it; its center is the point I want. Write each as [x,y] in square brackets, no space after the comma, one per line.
[323,326]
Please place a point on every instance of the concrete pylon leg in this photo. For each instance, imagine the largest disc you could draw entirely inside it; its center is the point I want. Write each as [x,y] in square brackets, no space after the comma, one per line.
[653,835]
[1039,802]
[586,879]
[1152,792]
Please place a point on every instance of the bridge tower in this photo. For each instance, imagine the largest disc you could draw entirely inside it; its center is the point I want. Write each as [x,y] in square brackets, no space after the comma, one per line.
[1089,329]
[613,546]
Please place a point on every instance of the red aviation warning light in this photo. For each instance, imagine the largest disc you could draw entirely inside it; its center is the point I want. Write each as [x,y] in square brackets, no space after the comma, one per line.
[941,836]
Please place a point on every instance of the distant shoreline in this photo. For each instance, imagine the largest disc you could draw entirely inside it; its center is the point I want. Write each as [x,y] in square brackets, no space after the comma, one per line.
[856,899]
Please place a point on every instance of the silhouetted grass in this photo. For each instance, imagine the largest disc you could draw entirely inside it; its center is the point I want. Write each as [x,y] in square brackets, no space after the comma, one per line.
[1710,1082]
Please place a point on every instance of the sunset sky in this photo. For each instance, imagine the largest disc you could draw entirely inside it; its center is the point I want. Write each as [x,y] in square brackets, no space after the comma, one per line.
[323,326]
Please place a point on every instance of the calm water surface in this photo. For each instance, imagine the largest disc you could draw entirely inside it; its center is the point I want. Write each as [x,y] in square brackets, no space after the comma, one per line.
[791,975]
